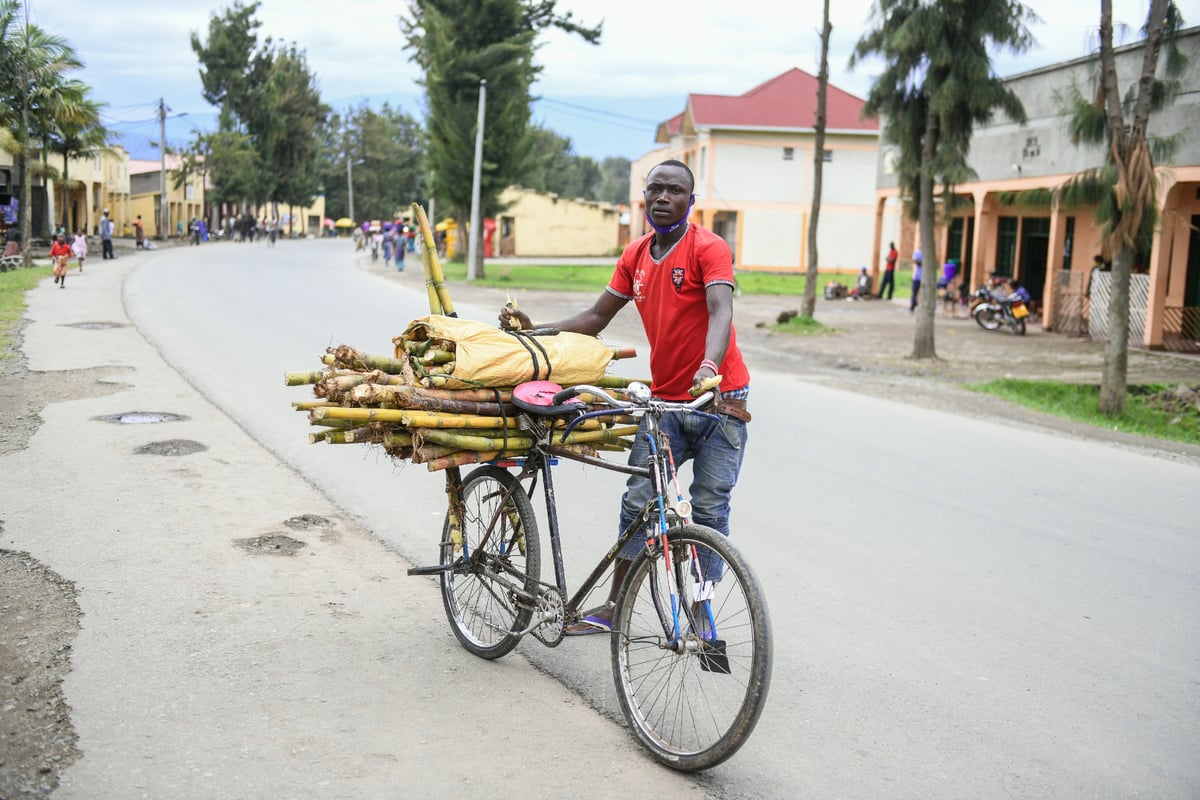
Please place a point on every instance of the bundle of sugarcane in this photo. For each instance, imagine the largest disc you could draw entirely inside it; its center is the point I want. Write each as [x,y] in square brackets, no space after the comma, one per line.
[445,398]
[452,353]
[370,399]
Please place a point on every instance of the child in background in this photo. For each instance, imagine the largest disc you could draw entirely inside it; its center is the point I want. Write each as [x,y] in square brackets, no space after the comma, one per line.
[60,251]
[80,247]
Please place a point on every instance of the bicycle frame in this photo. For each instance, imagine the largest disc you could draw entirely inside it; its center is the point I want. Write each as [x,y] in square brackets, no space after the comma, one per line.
[660,471]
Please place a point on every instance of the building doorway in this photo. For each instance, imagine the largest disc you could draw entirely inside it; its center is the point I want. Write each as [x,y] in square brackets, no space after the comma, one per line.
[1035,249]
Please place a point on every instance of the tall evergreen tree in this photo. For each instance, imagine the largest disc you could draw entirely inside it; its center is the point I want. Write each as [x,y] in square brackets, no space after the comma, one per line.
[267,93]
[459,43]
[937,83]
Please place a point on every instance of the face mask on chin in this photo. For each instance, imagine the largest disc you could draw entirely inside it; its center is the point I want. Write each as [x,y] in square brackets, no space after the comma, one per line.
[663,230]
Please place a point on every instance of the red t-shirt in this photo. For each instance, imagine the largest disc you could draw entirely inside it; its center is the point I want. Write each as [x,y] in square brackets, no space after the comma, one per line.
[891,259]
[60,249]
[670,297]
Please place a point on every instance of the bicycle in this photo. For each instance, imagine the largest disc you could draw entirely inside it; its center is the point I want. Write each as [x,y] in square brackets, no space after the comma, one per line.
[690,639]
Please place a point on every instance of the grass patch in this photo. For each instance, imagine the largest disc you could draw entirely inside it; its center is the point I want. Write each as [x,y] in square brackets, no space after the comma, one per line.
[802,326]
[1150,410]
[13,286]
[577,278]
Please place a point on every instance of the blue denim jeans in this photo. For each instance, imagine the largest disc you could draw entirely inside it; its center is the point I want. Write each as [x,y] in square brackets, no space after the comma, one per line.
[715,449]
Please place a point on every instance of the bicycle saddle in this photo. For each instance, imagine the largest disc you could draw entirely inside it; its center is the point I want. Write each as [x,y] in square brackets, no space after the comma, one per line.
[537,397]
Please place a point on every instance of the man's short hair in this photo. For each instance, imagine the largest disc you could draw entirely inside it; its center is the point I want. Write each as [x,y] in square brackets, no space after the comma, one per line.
[674,162]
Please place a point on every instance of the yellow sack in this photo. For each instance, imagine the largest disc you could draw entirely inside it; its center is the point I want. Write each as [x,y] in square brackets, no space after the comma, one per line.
[485,355]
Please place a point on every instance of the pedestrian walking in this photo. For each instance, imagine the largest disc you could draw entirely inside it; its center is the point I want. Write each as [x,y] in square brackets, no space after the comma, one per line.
[80,247]
[106,233]
[139,233]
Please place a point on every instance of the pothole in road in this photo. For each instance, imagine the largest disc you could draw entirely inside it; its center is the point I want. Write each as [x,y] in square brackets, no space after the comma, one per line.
[304,522]
[170,447]
[95,326]
[142,417]
[272,544]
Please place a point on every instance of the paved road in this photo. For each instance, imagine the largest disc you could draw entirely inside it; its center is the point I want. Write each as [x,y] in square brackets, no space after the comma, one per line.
[961,608]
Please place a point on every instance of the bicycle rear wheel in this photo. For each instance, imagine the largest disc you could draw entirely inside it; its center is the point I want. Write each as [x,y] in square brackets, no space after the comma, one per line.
[480,593]
[692,702]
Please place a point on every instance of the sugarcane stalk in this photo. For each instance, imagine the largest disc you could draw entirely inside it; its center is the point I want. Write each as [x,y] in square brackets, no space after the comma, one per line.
[439,297]
[434,419]
[459,460]
[302,378]
[396,438]
[363,414]
[480,395]
[607,435]
[454,508]
[465,441]
[429,452]
[623,352]
[309,405]
[437,357]
[351,358]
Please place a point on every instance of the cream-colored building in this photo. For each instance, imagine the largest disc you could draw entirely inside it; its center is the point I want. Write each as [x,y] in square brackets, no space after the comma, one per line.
[183,202]
[540,224]
[85,187]
[753,159]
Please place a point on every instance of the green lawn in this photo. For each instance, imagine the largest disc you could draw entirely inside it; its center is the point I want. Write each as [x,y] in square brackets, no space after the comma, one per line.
[1149,410]
[594,278]
[13,286]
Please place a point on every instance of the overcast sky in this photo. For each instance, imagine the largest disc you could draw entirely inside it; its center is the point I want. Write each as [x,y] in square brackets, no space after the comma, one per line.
[608,99]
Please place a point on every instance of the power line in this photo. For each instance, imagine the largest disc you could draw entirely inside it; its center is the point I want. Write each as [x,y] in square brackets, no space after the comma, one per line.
[605,112]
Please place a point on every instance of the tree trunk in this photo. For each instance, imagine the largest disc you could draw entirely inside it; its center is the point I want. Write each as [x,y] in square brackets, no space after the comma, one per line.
[1116,349]
[810,284]
[1130,154]
[923,335]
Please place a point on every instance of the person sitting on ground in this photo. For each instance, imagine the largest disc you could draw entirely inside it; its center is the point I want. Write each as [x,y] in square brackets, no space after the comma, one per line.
[862,289]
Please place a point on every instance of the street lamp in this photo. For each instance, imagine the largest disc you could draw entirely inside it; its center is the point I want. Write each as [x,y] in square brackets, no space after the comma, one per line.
[165,222]
[350,184]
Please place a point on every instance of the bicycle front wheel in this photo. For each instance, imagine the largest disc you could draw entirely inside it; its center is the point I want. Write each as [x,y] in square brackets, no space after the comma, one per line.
[481,591]
[693,691]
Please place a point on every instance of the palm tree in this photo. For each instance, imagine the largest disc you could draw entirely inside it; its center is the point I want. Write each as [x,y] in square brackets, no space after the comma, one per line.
[33,64]
[1123,189]
[78,132]
[937,83]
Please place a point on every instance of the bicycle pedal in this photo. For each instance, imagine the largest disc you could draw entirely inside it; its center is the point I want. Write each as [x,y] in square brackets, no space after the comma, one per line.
[713,657]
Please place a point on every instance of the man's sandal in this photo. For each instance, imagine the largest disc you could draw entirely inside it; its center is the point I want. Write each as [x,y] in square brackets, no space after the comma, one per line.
[595,620]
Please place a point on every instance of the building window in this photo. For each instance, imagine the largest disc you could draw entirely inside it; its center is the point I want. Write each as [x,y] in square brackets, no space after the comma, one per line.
[1032,149]
[789,153]
[827,156]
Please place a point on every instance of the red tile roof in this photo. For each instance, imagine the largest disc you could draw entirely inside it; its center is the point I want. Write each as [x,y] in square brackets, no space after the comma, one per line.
[786,101]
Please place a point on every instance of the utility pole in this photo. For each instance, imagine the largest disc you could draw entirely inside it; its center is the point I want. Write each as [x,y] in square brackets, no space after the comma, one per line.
[473,240]
[350,186]
[164,223]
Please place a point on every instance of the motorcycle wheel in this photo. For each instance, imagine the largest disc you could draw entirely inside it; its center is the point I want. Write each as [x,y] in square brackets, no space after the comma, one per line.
[985,315]
[1018,327]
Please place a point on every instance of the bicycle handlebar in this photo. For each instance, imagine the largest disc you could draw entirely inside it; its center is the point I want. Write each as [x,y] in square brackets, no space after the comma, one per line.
[640,400]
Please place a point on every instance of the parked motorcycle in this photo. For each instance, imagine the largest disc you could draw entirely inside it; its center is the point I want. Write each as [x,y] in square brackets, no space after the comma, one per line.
[992,309]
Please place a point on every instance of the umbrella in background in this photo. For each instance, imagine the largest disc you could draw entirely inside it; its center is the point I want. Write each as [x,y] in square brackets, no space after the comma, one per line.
[344,222]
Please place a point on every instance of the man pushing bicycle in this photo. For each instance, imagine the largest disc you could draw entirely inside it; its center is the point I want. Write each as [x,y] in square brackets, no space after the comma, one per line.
[681,279]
